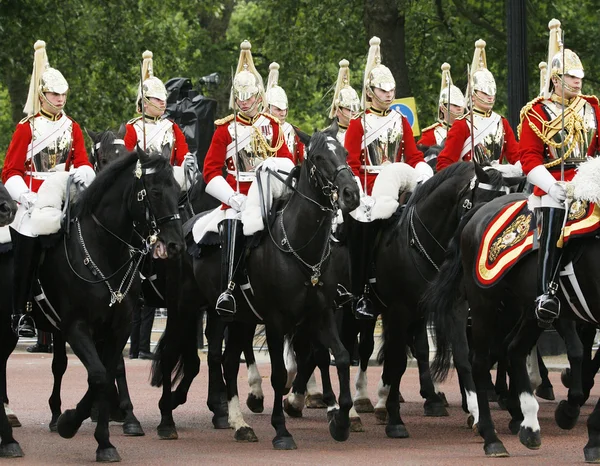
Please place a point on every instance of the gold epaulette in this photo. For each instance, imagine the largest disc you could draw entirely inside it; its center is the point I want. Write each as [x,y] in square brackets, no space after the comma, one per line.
[133,120]
[225,120]
[524,111]
[272,117]
[591,97]
[26,119]
[430,127]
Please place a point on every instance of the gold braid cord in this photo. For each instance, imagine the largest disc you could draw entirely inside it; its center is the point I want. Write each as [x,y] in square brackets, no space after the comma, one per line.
[573,127]
[262,147]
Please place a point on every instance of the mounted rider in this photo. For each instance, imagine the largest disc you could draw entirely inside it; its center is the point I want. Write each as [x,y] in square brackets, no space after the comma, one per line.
[346,103]
[241,142]
[278,107]
[152,131]
[378,137]
[492,137]
[559,130]
[451,105]
[44,142]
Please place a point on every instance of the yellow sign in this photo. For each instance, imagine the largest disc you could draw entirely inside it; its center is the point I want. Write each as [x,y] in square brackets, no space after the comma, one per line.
[408,108]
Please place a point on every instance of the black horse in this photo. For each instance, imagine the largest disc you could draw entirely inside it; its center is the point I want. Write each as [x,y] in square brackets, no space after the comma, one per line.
[513,295]
[291,283]
[129,210]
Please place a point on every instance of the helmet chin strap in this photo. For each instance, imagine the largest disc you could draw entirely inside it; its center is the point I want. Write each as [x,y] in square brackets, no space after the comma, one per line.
[250,110]
[564,85]
[374,98]
[50,104]
[153,105]
[479,99]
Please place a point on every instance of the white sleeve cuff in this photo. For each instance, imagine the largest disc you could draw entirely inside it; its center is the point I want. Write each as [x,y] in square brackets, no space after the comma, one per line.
[423,168]
[541,177]
[88,172]
[16,186]
[220,189]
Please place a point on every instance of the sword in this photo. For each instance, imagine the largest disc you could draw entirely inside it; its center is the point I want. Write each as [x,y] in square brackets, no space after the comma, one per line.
[235,135]
[365,149]
[448,102]
[562,155]
[142,105]
[471,124]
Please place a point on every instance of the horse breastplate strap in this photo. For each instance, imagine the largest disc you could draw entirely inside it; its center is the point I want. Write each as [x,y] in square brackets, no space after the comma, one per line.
[488,138]
[158,135]
[440,133]
[252,143]
[52,141]
[571,141]
[383,137]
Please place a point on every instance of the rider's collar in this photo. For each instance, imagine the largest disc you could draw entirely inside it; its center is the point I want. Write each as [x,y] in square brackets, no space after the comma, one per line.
[378,112]
[342,127]
[246,119]
[51,116]
[559,100]
[151,119]
[482,113]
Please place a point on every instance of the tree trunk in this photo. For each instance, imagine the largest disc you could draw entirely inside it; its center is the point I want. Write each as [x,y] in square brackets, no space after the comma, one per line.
[386,19]
[517,60]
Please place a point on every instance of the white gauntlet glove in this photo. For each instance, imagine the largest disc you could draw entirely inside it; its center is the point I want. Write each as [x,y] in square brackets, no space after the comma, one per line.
[28,199]
[84,175]
[190,163]
[558,192]
[237,202]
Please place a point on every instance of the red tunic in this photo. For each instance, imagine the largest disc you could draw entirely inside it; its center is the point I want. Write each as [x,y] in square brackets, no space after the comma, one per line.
[532,150]
[16,162]
[460,132]
[354,145]
[180,147]
[428,136]
[215,159]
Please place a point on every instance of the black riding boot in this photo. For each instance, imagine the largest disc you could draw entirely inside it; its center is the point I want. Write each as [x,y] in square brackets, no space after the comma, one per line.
[547,304]
[361,241]
[231,235]
[26,258]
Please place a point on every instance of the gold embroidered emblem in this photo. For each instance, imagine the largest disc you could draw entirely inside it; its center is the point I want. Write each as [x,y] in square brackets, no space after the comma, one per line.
[512,235]
[578,210]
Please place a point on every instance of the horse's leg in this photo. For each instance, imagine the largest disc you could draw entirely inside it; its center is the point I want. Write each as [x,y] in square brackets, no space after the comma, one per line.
[460,354]
[291,366]
[366,344]
[304,364]
[587,335]
[238,334]
[314,395]
[545,390]
[79,337]
[501,387]
[8,341]
[591,450]
[9,447]
[217,399]
[131,425]
[59,367]
[256,397]
[567,411]
[283,440]
[434,404]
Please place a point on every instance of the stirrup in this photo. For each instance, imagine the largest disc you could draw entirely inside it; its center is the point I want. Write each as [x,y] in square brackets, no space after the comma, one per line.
[24,326]
[226,306]
[363,310]
[343,296]
[547,310]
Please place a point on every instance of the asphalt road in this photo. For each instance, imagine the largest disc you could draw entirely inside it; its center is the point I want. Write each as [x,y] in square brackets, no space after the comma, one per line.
[433,441]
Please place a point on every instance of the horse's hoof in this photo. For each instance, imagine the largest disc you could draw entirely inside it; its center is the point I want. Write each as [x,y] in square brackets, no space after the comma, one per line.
[529,438]
[108,455]
[356,425]
[363,405]
[167,432]
[592,454]
[220,422]
[396,431]
[470,421]
[133,429]
[291,411]
[435,409]
[565,377]
[546,393]
[495,450]
[566,415]
[442,396]
[475,428]
[67,425]
[52,426]
[338,432]
[284,443]
[11,450]
[380,416]
[13,420]
[255,404]
[315,401]
[245,434]
[286,390]
[514,426]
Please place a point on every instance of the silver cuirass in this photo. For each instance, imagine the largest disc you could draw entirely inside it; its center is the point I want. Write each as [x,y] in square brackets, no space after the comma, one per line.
[383,137]
[57,151]
[490,140]
[251,142]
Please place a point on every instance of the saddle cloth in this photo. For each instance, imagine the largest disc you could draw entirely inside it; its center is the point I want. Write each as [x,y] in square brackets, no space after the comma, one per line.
[511,235]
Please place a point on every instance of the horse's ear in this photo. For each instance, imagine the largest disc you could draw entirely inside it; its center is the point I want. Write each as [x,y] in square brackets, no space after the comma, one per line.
[122,131]
[92,135]
[333,128]
[481,174]
[166,151]
[142,156]
[514,180]
[304,138]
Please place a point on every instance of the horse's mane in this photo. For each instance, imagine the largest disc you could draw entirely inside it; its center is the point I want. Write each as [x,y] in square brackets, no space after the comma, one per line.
[91,197]
[459,169]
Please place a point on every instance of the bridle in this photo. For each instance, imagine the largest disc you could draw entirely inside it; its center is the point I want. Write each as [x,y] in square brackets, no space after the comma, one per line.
[97,153]
[148,237]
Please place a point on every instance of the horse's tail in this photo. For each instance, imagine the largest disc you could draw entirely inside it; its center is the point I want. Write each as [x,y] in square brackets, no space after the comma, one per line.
[156,371]
[440,299]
